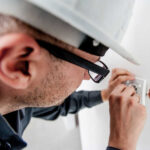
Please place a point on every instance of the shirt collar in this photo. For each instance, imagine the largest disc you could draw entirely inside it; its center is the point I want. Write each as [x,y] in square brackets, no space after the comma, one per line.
[7,134]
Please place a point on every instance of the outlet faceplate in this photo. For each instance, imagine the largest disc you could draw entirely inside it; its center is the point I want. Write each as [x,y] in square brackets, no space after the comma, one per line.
[140,87]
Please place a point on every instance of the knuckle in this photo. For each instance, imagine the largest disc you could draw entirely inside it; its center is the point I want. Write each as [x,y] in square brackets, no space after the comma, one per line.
[114,70]
[131,102]
[114,96]
[120,79]
[131,88]
[122,86]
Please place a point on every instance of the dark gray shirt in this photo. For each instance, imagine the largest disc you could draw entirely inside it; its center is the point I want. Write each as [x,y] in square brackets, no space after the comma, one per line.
[13,124]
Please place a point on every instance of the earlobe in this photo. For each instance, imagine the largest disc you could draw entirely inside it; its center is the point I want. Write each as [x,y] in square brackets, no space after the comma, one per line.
[18,56]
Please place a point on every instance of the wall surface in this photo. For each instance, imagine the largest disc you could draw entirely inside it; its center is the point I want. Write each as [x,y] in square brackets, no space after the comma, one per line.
[94,123]
[52,135]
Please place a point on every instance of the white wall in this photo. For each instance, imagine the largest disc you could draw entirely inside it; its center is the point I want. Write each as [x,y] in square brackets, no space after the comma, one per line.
[52,135]
[94,123]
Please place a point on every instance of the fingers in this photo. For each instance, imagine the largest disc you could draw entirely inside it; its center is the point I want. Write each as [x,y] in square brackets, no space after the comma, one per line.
[120,72]
[126,93]
[121,79]
[136,98]
[129,91]
[119,88]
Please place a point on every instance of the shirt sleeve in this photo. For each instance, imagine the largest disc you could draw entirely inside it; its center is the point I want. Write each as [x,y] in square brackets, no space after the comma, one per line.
[112,148]
[73,104]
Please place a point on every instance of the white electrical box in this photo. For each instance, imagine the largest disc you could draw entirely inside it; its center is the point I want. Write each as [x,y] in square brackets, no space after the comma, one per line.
[140,87]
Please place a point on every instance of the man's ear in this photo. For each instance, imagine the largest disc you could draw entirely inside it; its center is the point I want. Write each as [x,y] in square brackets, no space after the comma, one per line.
[18,56]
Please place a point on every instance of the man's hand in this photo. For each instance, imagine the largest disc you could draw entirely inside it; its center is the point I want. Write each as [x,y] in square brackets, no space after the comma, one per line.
[118,76]
[127,118]
[148,93]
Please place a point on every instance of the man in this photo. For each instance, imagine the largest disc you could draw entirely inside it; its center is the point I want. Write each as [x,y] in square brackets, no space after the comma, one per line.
[38,70]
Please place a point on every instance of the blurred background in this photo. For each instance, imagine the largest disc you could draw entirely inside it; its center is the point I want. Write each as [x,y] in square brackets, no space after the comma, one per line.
[92,132]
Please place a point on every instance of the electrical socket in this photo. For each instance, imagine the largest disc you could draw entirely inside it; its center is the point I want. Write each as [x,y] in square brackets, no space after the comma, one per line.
[140,87]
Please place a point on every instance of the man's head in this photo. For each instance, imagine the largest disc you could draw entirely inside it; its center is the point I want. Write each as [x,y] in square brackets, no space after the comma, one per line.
[37,82]
[33,76]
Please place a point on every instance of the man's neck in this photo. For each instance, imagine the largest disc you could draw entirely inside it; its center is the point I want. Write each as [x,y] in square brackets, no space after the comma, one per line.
[8,106]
